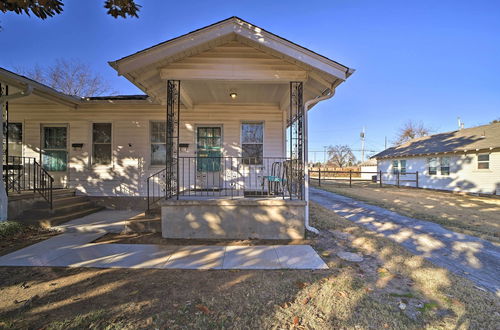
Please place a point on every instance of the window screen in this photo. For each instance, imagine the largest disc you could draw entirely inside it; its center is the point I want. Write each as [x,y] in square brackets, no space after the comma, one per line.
[158,142]
[101,143]
[252,143]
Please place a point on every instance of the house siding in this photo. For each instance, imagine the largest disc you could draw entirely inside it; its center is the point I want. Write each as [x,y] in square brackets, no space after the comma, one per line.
[130,167]
[464,175]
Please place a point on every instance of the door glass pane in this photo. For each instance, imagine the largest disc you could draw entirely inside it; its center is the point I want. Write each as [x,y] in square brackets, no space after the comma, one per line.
[54,160]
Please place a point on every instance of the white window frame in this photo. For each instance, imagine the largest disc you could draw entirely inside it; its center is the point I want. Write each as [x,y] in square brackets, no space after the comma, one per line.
[402,170]
[150,142]
[21,143]
[395,169]
[441,165]
[263,137]
[483,162]
[93,143]
[436,163]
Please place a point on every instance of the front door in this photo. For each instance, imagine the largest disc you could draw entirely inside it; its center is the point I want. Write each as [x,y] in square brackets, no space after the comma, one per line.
[54,156]
[208,159]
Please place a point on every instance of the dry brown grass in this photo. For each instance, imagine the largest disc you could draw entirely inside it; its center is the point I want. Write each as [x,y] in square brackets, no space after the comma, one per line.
[472,215]
[348,295]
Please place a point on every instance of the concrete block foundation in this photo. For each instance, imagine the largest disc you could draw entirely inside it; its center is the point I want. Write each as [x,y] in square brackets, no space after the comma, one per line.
[244,218]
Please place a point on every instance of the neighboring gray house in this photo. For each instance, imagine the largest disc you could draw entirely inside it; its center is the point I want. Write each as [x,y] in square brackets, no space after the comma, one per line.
[465,160]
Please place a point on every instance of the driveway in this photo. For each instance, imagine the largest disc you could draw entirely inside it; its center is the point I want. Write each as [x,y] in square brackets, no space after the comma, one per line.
[468,256]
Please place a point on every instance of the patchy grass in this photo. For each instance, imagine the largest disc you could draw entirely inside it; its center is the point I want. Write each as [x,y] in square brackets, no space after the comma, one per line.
[348,295]
[472,215]
[14,236]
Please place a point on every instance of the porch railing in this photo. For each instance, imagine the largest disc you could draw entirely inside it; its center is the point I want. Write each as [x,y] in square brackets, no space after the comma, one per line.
[25,174]
[232,177]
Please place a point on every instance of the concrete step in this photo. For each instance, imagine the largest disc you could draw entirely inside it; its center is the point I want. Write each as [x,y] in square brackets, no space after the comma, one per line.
[57,220]
[61,209]
[60,201]
[153,212]
[144,225]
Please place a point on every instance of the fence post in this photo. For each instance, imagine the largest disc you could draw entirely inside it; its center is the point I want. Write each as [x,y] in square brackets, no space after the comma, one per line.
[350,178]
[319,177]
[380,177]
[398,177]
[416,178]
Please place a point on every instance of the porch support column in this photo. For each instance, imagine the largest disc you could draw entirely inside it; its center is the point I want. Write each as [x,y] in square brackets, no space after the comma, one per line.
[172,139]
[296,138]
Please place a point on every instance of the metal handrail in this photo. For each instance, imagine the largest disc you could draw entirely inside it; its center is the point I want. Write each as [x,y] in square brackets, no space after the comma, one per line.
[155,189]
[43,183]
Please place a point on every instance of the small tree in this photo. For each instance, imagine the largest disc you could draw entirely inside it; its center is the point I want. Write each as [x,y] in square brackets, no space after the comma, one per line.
[341,156]
[71,77]
[48,8]
[409,131]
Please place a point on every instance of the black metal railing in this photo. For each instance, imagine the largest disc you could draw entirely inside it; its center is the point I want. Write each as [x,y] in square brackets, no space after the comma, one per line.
[156,187]
[43,183]
[239,177]
[231,177]
[19,174]
[25,174]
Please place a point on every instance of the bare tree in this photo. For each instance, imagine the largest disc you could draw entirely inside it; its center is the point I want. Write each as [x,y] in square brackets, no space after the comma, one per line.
[409,131]
[341,156]
[71,77]
[48,8]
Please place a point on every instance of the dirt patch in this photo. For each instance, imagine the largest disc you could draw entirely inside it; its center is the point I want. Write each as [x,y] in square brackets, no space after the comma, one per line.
[390,289]
[156,238]
[24,236]
[471,215]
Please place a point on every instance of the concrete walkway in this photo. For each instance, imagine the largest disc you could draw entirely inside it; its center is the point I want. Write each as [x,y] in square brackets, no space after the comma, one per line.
[73,248]
[468,256]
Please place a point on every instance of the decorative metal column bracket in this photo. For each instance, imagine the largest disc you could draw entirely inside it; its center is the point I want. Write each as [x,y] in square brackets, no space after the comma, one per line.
[296,137]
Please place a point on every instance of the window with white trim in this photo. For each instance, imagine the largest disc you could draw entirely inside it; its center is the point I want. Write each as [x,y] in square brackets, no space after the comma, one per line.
[15,137]
[395,166]
[432,165]
[101,144]
[483,161]
[402,166]
[444,165]
[158,139]
[252,143]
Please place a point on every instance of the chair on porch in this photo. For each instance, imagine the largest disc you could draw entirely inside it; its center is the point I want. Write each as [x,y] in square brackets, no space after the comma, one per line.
[277,179]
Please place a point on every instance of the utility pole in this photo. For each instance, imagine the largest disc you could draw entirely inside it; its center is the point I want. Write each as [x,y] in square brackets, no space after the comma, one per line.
[385,143]
[362,135]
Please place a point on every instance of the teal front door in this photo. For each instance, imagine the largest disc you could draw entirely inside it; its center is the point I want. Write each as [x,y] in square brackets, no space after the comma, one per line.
[208,159]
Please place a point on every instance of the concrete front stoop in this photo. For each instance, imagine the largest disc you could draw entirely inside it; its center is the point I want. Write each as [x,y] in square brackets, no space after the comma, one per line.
[66,206]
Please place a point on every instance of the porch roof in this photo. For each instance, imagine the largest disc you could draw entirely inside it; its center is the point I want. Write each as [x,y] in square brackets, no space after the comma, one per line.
[271,59]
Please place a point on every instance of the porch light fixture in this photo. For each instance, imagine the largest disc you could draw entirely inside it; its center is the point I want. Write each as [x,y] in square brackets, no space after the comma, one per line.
[233,95]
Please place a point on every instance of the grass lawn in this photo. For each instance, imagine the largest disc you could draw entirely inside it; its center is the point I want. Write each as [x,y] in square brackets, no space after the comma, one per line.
[390,289]
[472,215]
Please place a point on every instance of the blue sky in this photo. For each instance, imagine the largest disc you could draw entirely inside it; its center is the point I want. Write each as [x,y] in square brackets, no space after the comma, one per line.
[430,61]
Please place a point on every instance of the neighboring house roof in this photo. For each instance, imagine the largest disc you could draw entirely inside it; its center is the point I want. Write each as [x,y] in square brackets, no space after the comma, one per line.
[474,138]
[20,82]
[369,162]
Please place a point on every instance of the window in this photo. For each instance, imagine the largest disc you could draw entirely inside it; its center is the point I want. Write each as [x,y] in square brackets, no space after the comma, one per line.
[433,164]
[483,161]
[395,166]
[252,143]
[101,144]
[158,142]
[402,165]
[54,144]
[444,163]
[15,137]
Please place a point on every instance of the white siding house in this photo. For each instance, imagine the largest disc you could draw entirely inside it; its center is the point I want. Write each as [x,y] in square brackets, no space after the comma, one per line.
[467,160]
[222,124]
